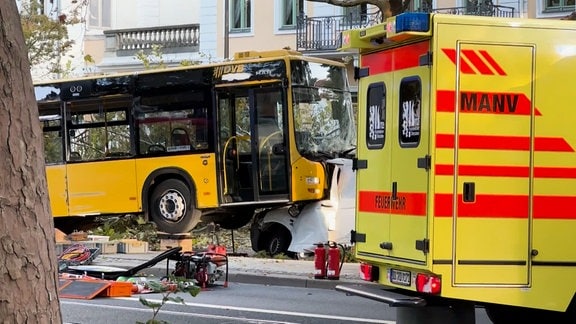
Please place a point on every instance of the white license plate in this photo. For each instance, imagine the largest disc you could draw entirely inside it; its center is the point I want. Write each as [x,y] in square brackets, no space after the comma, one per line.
[400,277]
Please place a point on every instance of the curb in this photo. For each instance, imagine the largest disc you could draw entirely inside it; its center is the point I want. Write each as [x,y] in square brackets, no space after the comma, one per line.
[285,281]
[249,271]
[266,279]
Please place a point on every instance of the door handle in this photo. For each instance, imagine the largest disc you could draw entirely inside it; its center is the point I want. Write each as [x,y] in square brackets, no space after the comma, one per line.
[394,190]
[469,192]
[386,245]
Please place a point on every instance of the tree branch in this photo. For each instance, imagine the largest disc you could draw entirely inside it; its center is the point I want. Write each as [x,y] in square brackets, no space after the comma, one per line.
[388,8]
[383,5]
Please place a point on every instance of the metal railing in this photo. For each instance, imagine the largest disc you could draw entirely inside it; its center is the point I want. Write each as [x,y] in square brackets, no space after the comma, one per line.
[323,33]
[318,34]
[171,39]
[483,9]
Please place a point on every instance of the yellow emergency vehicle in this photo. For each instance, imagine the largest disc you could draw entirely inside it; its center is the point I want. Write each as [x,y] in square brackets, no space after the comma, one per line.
[466,163]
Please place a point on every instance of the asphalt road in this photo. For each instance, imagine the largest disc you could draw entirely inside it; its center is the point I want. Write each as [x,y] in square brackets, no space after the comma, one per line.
[238,303]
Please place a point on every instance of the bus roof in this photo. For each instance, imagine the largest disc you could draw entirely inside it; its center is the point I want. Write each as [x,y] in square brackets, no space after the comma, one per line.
[240,57]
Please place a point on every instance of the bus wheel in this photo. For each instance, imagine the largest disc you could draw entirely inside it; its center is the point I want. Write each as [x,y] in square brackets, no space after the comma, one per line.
[172,207]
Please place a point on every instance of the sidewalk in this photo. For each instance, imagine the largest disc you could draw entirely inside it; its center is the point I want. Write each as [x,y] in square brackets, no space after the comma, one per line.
[273,272]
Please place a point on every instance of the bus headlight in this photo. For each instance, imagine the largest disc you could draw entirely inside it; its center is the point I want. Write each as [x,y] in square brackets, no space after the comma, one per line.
[312,181]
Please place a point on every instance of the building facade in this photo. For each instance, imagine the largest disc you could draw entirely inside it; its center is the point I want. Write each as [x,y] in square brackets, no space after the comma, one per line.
[113,31]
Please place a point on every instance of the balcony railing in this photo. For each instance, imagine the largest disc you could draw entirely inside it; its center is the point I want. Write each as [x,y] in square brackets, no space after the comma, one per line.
[320,34]
[323,33]
[171,39]
[484,9]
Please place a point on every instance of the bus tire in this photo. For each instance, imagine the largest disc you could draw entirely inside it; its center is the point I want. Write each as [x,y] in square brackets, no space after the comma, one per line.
[172,207]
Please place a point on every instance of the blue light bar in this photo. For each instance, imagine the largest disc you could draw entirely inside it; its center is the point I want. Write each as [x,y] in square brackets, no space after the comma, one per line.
[412,21]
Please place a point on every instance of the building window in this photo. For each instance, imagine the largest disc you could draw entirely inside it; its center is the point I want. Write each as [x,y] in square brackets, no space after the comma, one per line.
[240,16]
[291,9]
[559,5]
[100,14]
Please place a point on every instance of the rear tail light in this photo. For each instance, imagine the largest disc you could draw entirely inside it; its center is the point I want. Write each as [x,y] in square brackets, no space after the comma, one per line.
[428,284]
[368,272]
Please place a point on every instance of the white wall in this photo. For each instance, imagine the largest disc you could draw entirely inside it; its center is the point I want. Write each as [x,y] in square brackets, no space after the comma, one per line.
[151,13]
[209,38]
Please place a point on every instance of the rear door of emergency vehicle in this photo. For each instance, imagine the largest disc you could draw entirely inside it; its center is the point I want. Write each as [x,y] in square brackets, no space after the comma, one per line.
[395,145]
[410,144]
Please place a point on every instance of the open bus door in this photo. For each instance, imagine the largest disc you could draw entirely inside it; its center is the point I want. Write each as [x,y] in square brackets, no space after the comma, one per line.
[252,142]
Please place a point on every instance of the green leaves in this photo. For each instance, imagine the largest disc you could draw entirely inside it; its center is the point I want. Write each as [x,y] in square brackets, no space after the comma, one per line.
[149,303]
[168,288]
[46,32]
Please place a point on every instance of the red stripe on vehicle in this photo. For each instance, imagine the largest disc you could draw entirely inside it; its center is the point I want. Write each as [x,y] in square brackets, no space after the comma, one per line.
[484,171]
[445,101]
[555,173]
[495,142]
[464,67]
[492,62]
[477,62]
[395,59]
[489,206]
[552,144]
[507,206]
[554,207]
[506,171]
[444,169]
[407,203]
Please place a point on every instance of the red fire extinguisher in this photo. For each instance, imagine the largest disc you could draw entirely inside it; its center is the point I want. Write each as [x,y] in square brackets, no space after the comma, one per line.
[320,261]
[334,262]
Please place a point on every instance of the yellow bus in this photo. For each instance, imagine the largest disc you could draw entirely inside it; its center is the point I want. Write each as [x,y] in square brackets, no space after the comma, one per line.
[210,142]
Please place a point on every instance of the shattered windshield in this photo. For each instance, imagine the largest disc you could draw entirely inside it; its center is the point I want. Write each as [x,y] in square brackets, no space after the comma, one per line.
[323,118]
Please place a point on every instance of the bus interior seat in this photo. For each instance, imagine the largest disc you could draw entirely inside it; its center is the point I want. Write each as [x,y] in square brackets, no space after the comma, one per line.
[180,137]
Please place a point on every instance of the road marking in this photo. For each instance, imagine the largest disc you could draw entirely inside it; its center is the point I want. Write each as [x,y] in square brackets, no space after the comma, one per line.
[268,311]
[147,310]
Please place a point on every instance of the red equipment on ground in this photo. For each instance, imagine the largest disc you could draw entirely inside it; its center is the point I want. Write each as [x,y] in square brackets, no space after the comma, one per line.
[328,262]
[320,261]
[333,263]
[204,266]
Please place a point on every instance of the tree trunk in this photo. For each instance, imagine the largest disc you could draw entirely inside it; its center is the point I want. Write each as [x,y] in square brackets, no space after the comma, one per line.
[28,271]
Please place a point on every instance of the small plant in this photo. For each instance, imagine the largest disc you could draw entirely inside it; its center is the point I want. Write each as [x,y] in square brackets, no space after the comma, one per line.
[168,289]
[128,227]
[349,254]
[152,59]
[262,254]
[281,256]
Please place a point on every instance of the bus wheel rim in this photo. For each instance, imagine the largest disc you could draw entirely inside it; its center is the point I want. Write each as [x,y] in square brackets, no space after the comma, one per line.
[172,206]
